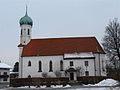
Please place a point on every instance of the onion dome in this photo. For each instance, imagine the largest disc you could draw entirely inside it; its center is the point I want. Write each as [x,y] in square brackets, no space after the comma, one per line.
[26,20]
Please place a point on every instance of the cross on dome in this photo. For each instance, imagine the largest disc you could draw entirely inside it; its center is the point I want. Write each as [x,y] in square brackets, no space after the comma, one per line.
[26,20]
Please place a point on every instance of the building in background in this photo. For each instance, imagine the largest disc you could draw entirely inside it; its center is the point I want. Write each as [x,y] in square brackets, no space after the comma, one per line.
[4,72]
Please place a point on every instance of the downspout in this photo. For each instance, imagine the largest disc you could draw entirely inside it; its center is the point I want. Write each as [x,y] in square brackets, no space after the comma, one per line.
[94,67]
[99,64]
[94,64]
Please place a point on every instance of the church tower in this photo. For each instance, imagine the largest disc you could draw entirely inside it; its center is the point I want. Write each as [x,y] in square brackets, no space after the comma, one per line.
[26,24]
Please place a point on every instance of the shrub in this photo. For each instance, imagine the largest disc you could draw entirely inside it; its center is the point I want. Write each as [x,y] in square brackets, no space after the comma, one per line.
[44,74]
[58,73]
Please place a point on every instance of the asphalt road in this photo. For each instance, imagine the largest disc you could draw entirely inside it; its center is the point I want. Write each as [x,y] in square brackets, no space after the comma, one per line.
[69,88]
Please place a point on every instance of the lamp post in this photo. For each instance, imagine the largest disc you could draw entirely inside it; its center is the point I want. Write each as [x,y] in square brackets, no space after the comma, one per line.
[29,80]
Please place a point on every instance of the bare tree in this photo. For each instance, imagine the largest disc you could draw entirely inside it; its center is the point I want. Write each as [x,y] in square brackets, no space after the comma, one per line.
[80,71]
[111,40]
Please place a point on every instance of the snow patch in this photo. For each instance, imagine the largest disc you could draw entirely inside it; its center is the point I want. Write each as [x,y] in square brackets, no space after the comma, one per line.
[79,55]
[56,86]
[107,82]
[67,86]
[3,65]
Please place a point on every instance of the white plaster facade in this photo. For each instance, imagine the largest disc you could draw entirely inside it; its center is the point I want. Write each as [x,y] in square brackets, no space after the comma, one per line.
[4,73]
[25,36]
[93,65]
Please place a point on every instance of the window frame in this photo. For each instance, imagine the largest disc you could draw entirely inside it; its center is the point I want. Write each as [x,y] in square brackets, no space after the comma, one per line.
[71,63]
[50,66]
[61,65]
[86,63]
[40,66]
[29,64]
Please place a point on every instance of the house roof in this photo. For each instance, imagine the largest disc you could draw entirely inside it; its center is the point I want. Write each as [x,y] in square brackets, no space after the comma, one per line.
[3,65]
[60,46]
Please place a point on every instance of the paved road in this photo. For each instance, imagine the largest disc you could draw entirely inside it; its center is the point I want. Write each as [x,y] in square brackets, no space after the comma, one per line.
[70,88]
[3,85]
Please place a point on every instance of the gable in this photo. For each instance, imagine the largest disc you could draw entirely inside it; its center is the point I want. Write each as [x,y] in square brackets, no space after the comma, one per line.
[60,46]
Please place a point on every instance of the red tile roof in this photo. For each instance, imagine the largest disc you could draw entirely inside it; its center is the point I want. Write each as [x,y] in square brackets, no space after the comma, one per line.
[60,46]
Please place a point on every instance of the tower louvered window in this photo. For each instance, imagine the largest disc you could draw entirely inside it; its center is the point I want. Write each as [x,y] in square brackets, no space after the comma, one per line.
[28,31]
[21,31]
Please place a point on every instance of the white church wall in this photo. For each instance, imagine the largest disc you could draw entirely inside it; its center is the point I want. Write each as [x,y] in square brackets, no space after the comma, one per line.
[33,69]
[98,60]
[81,63]
[103,65]
[20,52]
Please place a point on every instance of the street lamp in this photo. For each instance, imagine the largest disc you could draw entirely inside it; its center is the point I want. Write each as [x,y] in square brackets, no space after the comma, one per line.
[29,80]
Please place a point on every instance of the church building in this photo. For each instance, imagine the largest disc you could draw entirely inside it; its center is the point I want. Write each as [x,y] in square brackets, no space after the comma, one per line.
[64,57]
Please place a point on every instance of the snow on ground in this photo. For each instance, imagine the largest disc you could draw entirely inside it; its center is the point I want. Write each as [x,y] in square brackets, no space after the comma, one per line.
[107,84]
[57,86]
[44,86]
[105,88]
[67,86]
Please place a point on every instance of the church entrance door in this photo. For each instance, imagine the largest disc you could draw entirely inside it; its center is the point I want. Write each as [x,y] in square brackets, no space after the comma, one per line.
[71,76]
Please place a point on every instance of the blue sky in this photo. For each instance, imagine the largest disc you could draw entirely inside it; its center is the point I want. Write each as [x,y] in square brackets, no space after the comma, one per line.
[53,18]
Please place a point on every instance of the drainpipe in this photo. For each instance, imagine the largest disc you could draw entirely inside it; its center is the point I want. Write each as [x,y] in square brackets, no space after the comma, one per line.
[95,66]
[99,64]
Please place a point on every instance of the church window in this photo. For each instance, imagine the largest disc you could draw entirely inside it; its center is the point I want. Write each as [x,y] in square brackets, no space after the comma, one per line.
[50,66]
[61,65]
[71,63]
[86,73]
[28,31]
[29,63]
[40,66]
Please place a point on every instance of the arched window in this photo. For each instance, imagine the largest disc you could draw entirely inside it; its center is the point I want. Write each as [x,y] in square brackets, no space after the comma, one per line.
[29,63]
[61,65]
[28,31]
[21,31]
[40,66]
[50,66]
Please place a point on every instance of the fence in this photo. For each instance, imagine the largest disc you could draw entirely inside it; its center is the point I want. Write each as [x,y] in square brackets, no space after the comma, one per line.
[16,82]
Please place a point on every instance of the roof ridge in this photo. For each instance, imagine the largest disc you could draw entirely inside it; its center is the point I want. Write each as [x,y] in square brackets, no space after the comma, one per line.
[62,38]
